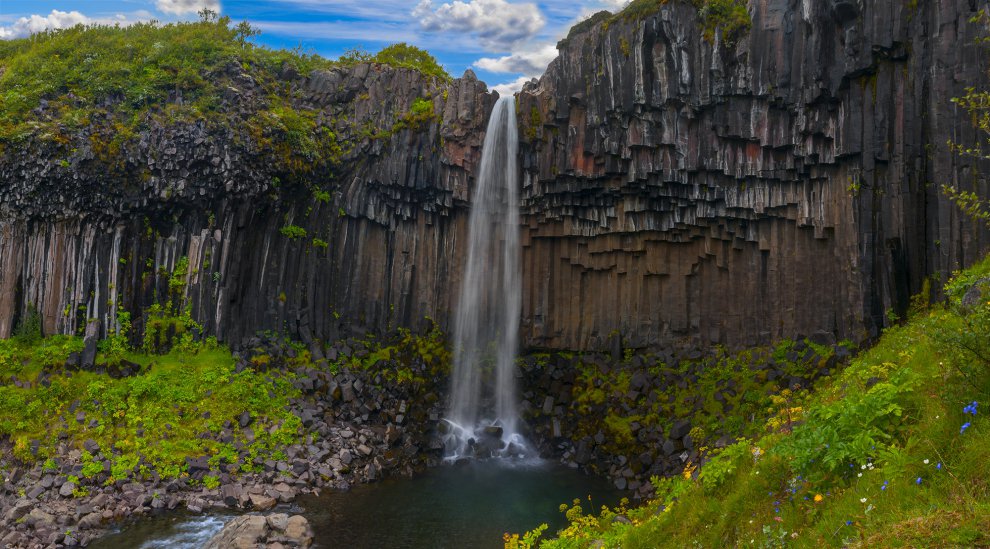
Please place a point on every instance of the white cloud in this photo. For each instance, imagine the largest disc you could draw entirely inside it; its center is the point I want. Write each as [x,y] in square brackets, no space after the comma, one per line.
[614,5]
[498,24]
[509,88]
[25,26]
[36,23]
[183,7]
[533,61]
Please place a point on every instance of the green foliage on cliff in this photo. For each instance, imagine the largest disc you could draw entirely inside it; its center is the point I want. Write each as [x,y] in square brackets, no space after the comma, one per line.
[97,87]
[729,16]
[400,55]
[893,451]
[976,105]
[80,75]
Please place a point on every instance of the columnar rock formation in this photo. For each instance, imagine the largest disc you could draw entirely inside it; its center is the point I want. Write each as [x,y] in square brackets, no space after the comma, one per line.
[77,241]
[784,184]
[674,190]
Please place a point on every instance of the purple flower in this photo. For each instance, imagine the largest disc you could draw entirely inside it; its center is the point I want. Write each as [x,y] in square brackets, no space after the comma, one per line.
[939,466]
[963,428]
[918,481]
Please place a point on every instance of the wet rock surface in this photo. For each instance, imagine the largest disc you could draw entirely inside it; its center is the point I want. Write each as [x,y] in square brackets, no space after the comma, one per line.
[253,531]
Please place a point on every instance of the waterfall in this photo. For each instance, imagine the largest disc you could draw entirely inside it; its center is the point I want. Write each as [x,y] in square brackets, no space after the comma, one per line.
[484,414]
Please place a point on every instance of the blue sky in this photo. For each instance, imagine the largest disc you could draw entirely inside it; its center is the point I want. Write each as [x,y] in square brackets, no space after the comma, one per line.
[503,41]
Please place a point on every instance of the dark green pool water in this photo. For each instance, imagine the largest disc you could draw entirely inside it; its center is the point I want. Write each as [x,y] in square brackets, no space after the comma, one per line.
[467,506]
[464,506]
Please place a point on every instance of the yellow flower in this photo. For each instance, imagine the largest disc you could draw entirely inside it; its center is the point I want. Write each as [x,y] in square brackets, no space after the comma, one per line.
[818,498]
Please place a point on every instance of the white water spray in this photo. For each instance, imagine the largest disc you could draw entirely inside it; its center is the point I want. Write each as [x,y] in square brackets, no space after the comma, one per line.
[484,414]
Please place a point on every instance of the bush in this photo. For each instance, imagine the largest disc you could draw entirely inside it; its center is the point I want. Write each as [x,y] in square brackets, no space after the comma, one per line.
[28,330]
[293,232]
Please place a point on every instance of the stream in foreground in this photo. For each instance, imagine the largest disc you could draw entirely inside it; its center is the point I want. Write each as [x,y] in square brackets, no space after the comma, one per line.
[464,506]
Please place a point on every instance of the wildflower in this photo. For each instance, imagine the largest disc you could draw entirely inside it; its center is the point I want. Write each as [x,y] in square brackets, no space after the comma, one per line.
[862,500]
[918,481]
[818,498]
[925,462]
[963,428]
[863,467]
[778,519]
[939,466]
[859,474]
[849,523]
[884,487]
[971,408]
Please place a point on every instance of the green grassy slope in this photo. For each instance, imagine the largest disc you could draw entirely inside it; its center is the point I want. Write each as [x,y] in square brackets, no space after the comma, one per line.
[893,451]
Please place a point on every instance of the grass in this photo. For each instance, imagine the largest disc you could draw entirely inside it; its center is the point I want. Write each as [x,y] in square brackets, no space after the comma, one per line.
[886,453]
[149,422]
[99,87]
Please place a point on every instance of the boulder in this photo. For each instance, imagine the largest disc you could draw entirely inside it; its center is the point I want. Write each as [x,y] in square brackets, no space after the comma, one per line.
[244,532]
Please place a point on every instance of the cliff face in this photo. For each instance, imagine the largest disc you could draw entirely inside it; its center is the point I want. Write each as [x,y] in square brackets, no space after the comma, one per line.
[80,238]
[786,184]
[675,191]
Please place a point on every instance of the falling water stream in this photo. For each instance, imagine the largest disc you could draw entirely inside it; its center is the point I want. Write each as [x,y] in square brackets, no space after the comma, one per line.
[483,417]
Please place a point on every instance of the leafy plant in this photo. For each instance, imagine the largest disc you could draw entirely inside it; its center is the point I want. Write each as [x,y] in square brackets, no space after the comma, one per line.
[293,232]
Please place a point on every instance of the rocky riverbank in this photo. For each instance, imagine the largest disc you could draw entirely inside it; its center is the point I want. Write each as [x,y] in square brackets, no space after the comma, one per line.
[358,427]
[274,531]
[370,408]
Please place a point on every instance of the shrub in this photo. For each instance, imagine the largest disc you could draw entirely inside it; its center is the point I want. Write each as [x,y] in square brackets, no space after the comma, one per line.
[28,330]
[293,232]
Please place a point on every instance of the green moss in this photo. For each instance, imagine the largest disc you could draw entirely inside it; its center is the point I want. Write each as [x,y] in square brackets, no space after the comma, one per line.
[394,360]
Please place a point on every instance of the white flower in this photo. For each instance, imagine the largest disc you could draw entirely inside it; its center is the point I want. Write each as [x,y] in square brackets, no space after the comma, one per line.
[862,467]
[859,475]
[862,500]
[926,462]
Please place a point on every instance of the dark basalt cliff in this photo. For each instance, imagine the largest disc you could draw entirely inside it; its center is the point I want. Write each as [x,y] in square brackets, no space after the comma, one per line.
[80,238]
[675,191]
[736,193]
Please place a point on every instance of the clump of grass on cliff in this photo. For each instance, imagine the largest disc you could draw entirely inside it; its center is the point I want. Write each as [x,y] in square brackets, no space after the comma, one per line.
[111,82]
[895,450]
[731,16]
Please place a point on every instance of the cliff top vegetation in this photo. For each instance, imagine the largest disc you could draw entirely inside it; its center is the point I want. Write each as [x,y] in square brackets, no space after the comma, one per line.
[56,82]
[731,17]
